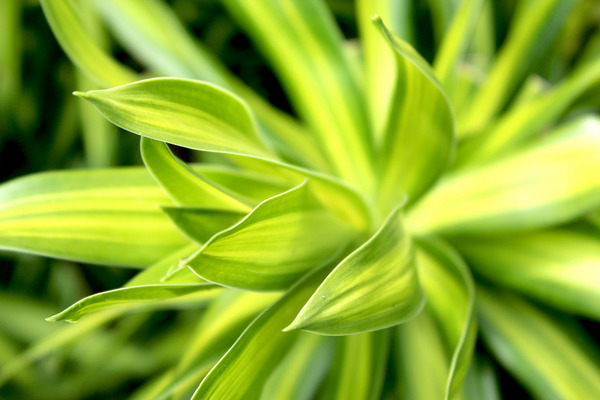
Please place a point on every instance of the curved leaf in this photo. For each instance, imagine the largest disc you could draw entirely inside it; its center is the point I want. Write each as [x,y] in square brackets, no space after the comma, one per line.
[548,183]
[81,48]
[243,371]
[185,186]
[544,354]
[200,224]
[375,287]
[184,112]
[273,245]
[100,216]
[419,138]
[557,267]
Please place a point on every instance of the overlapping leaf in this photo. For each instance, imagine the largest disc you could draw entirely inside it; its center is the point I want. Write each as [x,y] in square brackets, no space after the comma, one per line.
[274,245]
[419,137]
[103,216]
[375,287]
[551,182]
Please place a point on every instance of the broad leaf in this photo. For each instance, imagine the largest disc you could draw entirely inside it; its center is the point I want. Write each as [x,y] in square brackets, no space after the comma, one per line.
[359,369]
[243,371]
[184,112]
[375,287]
[274,245]
[303,44]
[557,267]
[549,357]
[450,293]
[299,374]
[81,48]
[185,186]
[553,181]
[102,216]
[419,138]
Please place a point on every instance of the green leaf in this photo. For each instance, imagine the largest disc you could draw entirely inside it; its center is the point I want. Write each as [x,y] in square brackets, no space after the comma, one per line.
[187,113]
[455,44]
[81,48]
[102,216]
[243,371]
[523,122]
[548,357]
[185,186]
[304,46]
[481,381]
[558,267]
[274,245]
[375,287]
[419,138]
[358,371]
[379,63]
[532,31]
[200,224]
[299,374]
[450,293]
[548,183]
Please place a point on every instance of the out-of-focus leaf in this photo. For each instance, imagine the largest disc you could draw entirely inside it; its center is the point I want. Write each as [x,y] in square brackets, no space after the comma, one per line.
[550,182]
[102,216]
[359,368]
[421,359]
[303,44]
[455,43]
[523,122]
[379,62]
[200,224]
[273,245]
[243,371]
[481,381]
[450,293]
[185,186]
[375,287]
[81,48]
[10,54]
[187,113]
[299,374]
[532,31]
[442,13]
[419,138]
[558,267]
[544,354]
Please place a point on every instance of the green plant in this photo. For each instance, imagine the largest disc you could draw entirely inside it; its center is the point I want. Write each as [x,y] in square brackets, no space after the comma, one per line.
[364,221]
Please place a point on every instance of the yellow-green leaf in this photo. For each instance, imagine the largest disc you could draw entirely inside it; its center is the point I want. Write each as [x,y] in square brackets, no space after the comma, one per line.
[375,287]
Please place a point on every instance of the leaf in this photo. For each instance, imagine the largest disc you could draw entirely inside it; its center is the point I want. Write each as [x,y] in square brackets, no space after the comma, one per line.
[187,113]
[304,46]
[559,267]
[243,371]
[373,288]
[450,293]
[548,183]
[102,216]
[523,122]
[548,357]
[359,368]
[419,138]
[481,381]
[81,48]
[299,374]
[185,186]
[274,245]
[455,44]
[379,63]
[200,224]
[531,32]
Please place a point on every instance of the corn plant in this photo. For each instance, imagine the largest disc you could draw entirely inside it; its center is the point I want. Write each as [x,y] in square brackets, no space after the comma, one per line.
[359,250]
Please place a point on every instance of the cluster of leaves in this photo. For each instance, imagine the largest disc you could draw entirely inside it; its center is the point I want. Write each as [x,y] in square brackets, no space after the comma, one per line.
[359,250]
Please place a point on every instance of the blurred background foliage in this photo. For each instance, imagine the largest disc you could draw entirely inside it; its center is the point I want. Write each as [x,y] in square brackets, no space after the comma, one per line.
[43,127]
